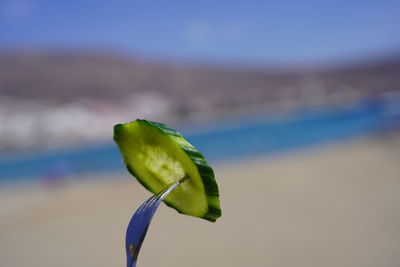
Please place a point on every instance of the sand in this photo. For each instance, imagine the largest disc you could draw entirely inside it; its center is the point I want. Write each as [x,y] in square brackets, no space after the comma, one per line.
[335,205]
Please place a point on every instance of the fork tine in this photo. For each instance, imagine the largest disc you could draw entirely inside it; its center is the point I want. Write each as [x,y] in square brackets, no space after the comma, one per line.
[155,198]
[152,205]
[140,222]
[140,215]
[142,209]
[148,201]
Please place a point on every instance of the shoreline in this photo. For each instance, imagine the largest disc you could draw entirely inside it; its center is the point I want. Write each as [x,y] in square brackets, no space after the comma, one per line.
[333,205]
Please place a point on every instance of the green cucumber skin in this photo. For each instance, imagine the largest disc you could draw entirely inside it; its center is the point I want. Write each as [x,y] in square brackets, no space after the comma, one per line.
[204,169]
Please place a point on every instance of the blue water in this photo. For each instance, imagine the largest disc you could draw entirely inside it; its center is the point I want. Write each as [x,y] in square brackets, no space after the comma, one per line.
[218,141]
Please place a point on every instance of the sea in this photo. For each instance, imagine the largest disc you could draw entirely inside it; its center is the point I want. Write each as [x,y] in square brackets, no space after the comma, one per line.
[219,140]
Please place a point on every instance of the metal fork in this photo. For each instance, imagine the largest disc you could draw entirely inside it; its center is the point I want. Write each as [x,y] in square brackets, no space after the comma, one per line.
[140,221]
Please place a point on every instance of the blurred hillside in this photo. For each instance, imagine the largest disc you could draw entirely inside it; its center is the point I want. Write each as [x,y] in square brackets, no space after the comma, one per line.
[51,98]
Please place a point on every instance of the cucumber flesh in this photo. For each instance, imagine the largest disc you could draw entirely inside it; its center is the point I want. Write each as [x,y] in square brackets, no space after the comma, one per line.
[158,156]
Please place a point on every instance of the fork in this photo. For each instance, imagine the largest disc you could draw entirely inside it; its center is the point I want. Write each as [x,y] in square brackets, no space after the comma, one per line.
[140,221]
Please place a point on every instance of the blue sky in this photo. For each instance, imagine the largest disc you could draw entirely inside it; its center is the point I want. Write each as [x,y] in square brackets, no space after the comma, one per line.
[278,32]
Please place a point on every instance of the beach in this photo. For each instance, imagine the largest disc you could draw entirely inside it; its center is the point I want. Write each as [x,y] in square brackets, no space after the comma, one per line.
[335,204]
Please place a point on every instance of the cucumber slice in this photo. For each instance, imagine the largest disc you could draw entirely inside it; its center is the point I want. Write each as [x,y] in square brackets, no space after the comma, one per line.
[158,156]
